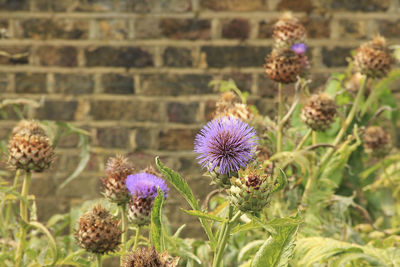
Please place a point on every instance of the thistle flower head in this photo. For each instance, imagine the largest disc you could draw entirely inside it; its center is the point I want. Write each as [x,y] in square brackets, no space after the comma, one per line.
[144,185]
[227,143]
[299,48]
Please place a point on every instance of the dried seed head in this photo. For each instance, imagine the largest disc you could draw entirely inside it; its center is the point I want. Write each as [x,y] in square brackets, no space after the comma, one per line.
[284,65]
[117,170]
[29,147]
[319,112]
[288,31]
[377,142]
[149,257]
[354,83]
[373,58]
[98,232]
[228,105]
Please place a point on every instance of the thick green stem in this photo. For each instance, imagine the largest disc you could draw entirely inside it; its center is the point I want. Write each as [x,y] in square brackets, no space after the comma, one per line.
[223,238]
[136,244]
[98,260]
[314,138]
[124,227]
[347,122]
[279,123]
[305,137]
[23,209]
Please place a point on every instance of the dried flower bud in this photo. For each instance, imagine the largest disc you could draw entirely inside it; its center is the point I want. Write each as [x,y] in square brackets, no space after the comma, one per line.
[229,106]
[377,142]
[149,257]
[29,147]
[354,83]
[284,65]
[373,58]
[117,169]
[98,232]
[288,31]
[319,112]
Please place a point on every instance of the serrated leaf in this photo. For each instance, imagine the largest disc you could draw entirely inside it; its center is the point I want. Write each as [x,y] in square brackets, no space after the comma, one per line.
[156,230]
[246,227]
[249,249]
[203,215]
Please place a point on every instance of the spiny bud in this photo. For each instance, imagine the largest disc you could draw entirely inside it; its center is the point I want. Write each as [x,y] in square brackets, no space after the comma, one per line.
[228,105]
[377,142]
[117,169]
[319,112]
[288,31]
[149,257]
[29,148]
[98,232]
[373,58]
[284,65]
[251,191]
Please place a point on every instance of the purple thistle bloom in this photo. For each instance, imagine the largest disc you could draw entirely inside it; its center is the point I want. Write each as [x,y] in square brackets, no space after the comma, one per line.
[144,185]
[299,48]
[227,143]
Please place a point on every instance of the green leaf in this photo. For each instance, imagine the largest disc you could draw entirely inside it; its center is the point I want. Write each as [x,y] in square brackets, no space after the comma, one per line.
[203,215]
[50,238]
[278,249]
[246,227]
[249,249]
[156,226]
[179,183]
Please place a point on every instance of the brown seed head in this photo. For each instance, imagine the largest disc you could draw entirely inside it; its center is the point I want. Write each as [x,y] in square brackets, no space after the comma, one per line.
[228,105]
[288,31]
[319,112]
[377,142]
[149,257]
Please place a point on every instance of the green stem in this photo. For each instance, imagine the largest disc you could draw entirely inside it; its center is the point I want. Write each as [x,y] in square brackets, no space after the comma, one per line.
[304,139]
[23,209]
[98,260]
[280,115]
[136,244]
[124,227]
[223,238]
[347,122]
[314,138]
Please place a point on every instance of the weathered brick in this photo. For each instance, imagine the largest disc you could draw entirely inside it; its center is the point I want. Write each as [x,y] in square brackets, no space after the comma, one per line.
[14,5]
[14,55]
[65,56]
[32,83]
[266,87]
[118,56]
[265,106]
[354,29]
[143,138]
[84,187]
[356,5]
[296,6]
[243,81]
[144,6]
[185,28]
[389,29]
[317,26]
[114,29]
[182,112]
[147,28]
[177,57]
[4,82]
[176,139]
[57,110]
[114,137]
[125,110]
[236,29]
[335,57]
[68,141]
[266,28]
[74,5]
[175,5]
[73,83]
[117,84]
[235,56]
[233,5]
[170,84]
[50,205]
[54,29]
[210,110]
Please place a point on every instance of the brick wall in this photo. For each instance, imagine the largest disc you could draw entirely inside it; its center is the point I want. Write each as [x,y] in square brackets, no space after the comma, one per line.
[135,73]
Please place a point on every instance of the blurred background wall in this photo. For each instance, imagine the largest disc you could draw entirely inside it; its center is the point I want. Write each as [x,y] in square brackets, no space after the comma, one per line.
[135,73]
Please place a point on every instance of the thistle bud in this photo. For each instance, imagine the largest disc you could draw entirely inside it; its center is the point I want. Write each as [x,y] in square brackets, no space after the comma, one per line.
[117,169]
[285,65]
[29,148]
[373,58]
[228,106]
[251,191]
[288,31]
[319,112]
[377,142]
[143,190]
[148,257]
[98,232]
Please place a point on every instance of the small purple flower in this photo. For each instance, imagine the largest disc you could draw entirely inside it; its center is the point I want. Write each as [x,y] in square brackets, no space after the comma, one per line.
[227,143]
[299,48]
[144,185]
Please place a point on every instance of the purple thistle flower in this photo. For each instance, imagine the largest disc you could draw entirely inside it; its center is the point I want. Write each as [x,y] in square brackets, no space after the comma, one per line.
[227,143]
[144,185]
[299,48]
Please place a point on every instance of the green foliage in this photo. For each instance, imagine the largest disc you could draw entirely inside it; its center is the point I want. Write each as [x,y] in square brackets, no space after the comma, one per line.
[157,237]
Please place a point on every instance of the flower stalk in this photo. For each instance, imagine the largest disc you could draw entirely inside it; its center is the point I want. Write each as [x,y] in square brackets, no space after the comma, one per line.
[280,115]
[99,260]
[223,238]
[137,235]
[124,226]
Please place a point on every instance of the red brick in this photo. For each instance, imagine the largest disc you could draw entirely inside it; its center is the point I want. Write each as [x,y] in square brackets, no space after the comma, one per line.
[127,57]
[65,56]
[185,28]
[233,5]
[236,29]
[177,139]
[115,29]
